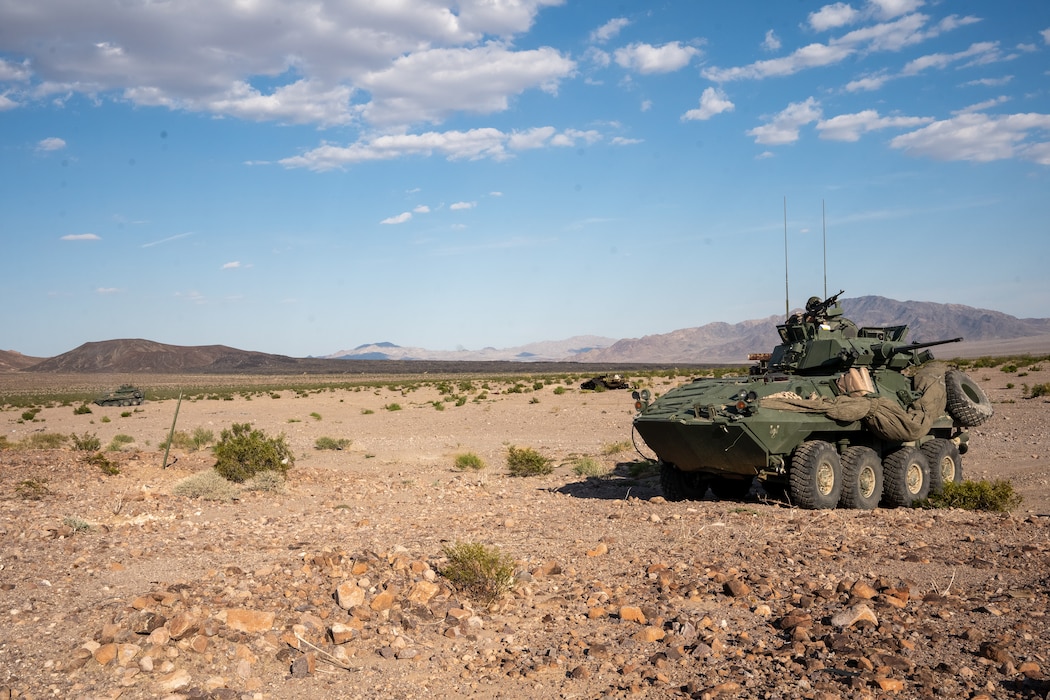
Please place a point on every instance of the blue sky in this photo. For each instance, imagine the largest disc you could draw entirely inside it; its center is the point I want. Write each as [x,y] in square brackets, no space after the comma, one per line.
[304,178]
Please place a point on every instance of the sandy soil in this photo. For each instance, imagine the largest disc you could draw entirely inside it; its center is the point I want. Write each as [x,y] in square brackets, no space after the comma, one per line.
[332,587]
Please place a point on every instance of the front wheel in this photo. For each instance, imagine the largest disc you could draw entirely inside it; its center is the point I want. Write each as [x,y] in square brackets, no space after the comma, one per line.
[731,489]
[945,463]
[907,477]
[816,475]
[678,485]
[861,478]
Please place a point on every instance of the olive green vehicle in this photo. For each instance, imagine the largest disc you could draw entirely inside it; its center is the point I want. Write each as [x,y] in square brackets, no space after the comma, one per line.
[836,415]
[125,395]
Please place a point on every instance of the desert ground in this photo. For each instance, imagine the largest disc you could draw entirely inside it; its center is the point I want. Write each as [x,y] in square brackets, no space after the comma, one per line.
[111,586]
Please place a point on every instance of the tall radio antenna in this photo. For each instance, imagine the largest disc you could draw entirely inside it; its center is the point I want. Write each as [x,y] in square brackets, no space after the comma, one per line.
[824,224]
[787,302]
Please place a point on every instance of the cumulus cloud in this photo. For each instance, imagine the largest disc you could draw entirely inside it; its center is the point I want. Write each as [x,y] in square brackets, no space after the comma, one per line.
[399,219]
[421,209]
[784,127]
[771,42]
[460,206]
[52,143]
[609,30]
[712,101]
[648,59]
[981,137]
[850,127]
[475,144]
[335,64]
[1046,35]
[80,237]
[231,265]
[833,17]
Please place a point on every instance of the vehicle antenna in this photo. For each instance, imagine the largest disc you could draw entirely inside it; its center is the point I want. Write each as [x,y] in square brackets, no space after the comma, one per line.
[787,302]
[824,223]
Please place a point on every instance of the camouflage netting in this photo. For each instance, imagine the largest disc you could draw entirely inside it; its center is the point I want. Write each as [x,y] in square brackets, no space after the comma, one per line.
[884,417]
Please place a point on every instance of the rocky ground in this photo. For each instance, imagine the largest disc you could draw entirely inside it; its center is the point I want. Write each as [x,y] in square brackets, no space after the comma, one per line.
[111,586]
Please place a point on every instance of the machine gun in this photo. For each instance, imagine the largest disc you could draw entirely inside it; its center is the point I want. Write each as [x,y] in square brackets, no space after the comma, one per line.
[815,308]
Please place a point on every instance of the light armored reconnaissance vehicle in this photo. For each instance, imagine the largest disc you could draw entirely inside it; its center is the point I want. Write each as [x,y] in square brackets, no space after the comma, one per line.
[125,395]
[835,415]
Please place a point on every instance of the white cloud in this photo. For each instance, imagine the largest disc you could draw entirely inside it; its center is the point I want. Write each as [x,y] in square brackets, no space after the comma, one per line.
[888,9]
[476,144]
[231,265]
[771,42]
[982,138]
[712,101]
[649,59]
[609,30]
[107,290]
[867,83]
[833,17]
[943,60]
[167,240]
[991,82]
[850,127]
[275,60]
[399,219]
[810,56]
[981,106]
[784,127]
[6,103]
[80,237]
[1046,35]
[52,143]
[460,206]
[430,85]
[421,209]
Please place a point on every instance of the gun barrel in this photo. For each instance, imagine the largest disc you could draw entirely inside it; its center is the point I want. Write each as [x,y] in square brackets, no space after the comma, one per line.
[919,346]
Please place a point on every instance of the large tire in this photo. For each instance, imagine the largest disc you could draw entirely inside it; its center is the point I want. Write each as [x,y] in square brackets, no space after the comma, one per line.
[906,477]
[861,478]
[731,489]
[945,463]
[968,405]
[816,476]
[678,485]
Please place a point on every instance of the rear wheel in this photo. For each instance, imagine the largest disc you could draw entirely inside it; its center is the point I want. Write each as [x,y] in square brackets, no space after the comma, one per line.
[816,475]
[731,489]
[907,477]
[945,463]
[678,485]
[861,478]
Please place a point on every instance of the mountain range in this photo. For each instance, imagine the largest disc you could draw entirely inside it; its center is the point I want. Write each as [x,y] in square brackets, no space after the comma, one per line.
[986,332]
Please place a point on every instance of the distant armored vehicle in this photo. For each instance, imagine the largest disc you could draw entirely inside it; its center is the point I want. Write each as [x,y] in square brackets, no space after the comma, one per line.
[125,395]
[606,381]
[835,415]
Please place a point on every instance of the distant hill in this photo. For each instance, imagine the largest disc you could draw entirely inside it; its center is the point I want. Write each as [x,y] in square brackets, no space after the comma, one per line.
[12,361]
[545,351]
[986,333]
[138,355]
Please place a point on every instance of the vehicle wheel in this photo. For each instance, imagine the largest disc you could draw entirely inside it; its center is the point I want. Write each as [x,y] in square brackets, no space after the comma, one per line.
[861,478]
[816,475]
[906,475]
[731,489]
[678,485]
[776,490]
[945,463]
[968,405]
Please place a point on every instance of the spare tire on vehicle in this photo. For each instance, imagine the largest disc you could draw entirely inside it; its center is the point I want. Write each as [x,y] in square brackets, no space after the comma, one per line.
[968,405]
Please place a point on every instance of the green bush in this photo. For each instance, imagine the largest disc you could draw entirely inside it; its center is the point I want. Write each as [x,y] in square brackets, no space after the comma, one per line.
[996,496]
[241,453]
[105,465]
[315,415]
[44,441]
[81,409]
[589,466]
[201,438]
[481,572]
[327,443]
[30,414]
[207,485]
[469,460]
[393,407]
[269,481]
[559,390]
[526,461]
[85,442]
[32,490]
[118,442]
[1038,390]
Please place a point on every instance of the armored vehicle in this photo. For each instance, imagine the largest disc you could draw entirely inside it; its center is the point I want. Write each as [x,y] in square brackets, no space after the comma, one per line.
[606,381]
[125,395]
[835,415]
